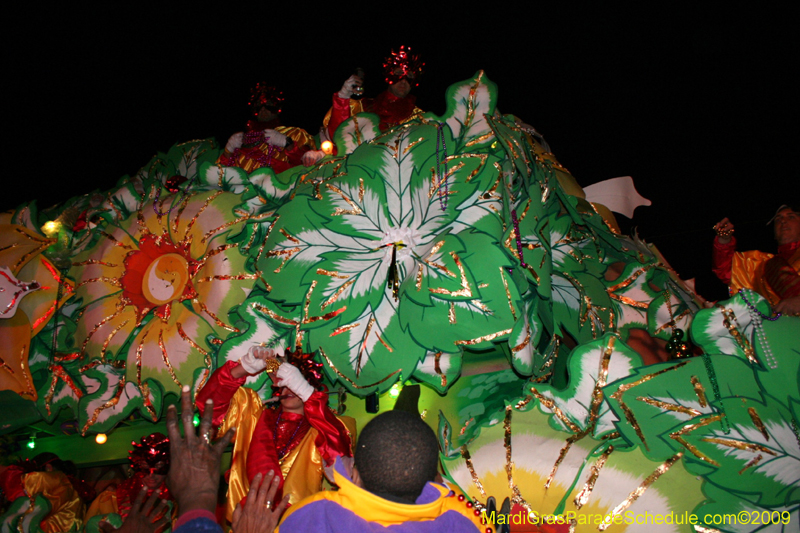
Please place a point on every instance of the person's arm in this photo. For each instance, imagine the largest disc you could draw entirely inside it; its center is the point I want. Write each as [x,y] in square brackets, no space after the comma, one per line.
[333,439]
[722,259]
[228,378]
[193,477]
[722,251]
[220,388]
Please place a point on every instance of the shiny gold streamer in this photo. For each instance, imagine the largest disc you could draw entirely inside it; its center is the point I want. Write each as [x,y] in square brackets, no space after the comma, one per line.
[751,463]
[508,294]
[475,480]
[214,317]
[110,403]
[739,445]
[120,310]
[586,492]
[335,295]
[700,391]
[165,357]
[688,428]
[666,406]
[343,329]
[205,205]
[550,404]
[110,281]
[638,491]
[757,422]
[490,336]
[451,314]
[340,210]
[108,339]
[438,369]
[628,413]
[465,290]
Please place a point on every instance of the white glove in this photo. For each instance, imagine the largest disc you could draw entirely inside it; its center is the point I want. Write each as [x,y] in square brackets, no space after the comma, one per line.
[234,142]
[347,89]
[275,138]
[312,156]
[290,377]
[255,360]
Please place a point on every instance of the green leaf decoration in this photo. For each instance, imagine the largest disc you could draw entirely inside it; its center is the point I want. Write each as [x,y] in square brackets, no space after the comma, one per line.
[25,515]
[355,131]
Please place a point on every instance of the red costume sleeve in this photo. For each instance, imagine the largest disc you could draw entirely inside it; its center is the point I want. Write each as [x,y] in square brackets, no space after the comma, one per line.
[333,439]
[220,388]
[722,259]
[11,482]
[339,113]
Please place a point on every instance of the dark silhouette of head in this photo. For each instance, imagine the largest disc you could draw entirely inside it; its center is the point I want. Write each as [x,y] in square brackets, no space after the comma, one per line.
[396,455]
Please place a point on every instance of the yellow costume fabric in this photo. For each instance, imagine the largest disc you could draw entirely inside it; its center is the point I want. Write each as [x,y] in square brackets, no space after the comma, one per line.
[105,503]
[66,507]
[747,272]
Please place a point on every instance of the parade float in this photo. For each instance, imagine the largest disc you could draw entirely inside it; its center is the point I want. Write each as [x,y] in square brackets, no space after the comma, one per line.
[565,367]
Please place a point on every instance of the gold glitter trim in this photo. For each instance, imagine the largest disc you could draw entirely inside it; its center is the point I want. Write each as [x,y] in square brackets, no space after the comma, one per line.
[110,281]
[757,422]
[340,210]
[465,290]
[438,369]
[108,340]
[561,454]
[739,445]
[688,428]
[665,406]
[550,404]
[338,293]
[343,329]
[214,317]
[351,382]
[331,273]
[94,262]
[752,463]
[475,480]
[227,277]
[451,314]
[120,309]
[638,491]
[508,295]
[730,323]
[206,357]
[700,391]
[628,413]
[110,403]
[165,357]
[489,337]
[586,491]
[199,212]
[231,223]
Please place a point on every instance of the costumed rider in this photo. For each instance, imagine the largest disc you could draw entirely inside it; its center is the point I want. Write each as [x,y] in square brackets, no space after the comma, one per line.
[267,143]
[394,106]
[298,439]
[392,487]
[776,277]
[46,476]
[149,460]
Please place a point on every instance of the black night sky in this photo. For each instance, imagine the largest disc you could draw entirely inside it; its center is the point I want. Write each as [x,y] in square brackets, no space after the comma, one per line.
[696,103]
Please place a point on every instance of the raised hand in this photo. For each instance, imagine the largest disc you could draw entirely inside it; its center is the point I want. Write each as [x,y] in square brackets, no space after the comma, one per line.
[258,514]
[194,473]
[144,517]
